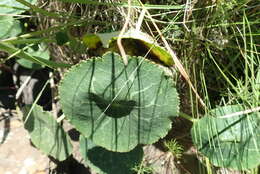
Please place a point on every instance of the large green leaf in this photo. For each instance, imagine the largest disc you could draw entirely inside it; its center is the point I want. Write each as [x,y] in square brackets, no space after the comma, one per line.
[231,141]
[118,106]
[107,162]
[46,134]
[13,7]
[9,27]
[37,50]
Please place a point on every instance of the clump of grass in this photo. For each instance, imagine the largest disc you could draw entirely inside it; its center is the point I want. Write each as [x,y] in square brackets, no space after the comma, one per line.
[175,148]
[143,168]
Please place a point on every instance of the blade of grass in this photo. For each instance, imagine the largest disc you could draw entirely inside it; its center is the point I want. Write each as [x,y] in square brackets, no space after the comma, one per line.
[31,41]
[35,102]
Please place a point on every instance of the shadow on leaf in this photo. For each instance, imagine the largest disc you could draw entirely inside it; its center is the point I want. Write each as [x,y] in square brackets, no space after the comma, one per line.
[115,109]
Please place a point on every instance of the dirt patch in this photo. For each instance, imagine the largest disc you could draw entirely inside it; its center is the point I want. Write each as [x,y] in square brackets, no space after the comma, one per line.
[17,155]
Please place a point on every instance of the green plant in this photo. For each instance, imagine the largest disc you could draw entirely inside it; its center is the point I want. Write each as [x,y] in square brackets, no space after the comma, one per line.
[46,134]
[119,107]
[143,169]
[174,148]
[103,161]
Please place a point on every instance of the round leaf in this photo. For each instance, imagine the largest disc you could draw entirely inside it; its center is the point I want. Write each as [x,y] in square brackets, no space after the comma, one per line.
[107,162]
[231,141]
[118,106]
[46,134]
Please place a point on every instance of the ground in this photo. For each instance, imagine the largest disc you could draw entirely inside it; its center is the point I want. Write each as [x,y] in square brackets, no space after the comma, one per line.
[17,155]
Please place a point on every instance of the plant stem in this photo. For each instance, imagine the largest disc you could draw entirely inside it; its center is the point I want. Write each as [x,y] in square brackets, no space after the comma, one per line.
[31,41]
[208,166]
[188,117]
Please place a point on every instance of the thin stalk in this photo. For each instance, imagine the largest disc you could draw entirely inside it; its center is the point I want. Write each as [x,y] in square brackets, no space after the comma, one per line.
[188,117]
[36,100]
[31,41]
[223,74]
[208,166]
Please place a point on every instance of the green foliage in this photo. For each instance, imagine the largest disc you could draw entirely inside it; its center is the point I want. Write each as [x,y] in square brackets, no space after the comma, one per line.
[37,51]
[9,27]
[143,169]
[46,134]
[76,45]
[13,7]
[107,162]
[229,140]
[118,106]
[62,37]
[257,83]
[135,43]
[10,49]
[174,148]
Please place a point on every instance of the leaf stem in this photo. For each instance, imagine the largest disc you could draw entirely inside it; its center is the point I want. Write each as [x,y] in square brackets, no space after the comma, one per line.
[31,41]
[188,117]
[208,166]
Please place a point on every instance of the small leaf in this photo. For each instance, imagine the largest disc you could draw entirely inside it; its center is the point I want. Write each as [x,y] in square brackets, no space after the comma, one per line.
[9,27]
[10,49]
[107,162]
[46,134]
[61,37]
[229,141]
[92,41]
[37,50]
[118,106]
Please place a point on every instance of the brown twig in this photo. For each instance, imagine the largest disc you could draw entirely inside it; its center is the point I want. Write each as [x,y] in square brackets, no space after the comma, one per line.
[119,39]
